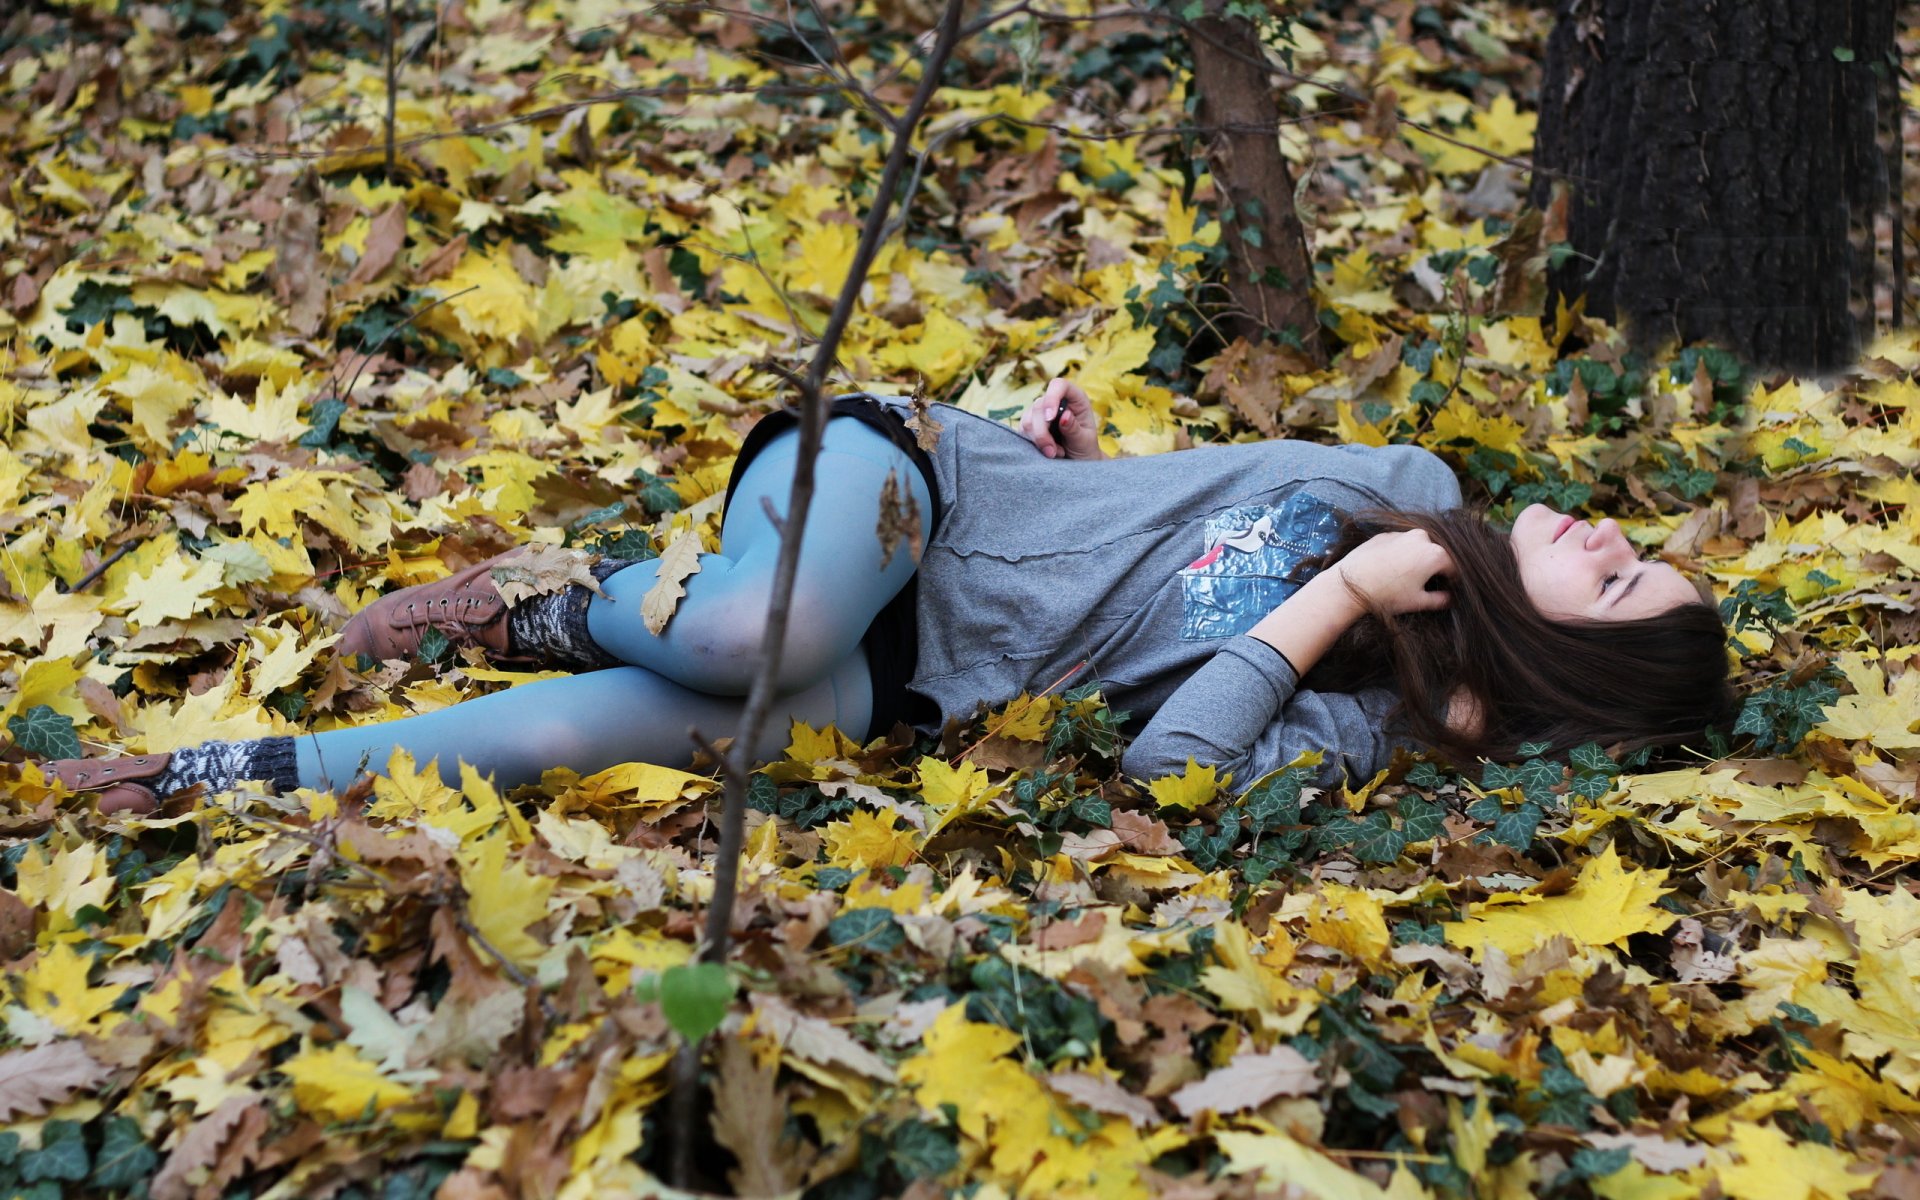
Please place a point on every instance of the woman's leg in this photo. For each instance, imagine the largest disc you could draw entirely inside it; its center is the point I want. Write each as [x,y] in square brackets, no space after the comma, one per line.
[586,722]
[712,644]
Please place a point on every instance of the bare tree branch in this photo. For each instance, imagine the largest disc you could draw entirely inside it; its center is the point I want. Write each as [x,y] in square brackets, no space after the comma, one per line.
[813,421]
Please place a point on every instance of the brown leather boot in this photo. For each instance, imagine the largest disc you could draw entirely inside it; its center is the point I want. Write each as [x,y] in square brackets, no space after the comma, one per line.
[466,607]
[124,784]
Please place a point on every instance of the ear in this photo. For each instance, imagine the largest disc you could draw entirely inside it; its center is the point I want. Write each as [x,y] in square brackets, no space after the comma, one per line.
[1464,716]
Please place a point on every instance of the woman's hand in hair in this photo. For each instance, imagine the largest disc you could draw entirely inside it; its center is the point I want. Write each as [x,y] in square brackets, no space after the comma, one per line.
[1393,571]
[1079,429]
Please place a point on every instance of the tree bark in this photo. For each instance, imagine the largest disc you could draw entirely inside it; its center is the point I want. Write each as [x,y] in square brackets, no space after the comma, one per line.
[1269,272]
[1726,164]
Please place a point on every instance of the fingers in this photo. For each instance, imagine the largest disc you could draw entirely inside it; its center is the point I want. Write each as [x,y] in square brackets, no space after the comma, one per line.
[1033,422]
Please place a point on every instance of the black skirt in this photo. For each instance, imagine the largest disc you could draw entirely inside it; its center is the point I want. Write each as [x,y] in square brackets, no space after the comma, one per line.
[891,642]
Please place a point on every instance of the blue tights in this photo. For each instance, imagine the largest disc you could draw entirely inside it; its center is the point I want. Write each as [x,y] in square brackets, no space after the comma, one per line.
[695,674]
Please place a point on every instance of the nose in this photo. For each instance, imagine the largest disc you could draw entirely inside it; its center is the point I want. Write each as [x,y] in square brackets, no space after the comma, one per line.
[1607,535]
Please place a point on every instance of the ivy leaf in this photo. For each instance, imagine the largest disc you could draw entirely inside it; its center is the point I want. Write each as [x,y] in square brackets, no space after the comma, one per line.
[1539,776]
[1516,826]
[1421,820]
[44,733]
[125,1158]
[1590,757]
[62,1154]
[871,929]
[1375,840]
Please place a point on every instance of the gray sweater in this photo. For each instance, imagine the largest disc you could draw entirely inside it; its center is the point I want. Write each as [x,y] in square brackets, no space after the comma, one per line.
[1151,570]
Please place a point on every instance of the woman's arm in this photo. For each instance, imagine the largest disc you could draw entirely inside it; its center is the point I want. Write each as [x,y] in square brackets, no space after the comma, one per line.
[1240,712]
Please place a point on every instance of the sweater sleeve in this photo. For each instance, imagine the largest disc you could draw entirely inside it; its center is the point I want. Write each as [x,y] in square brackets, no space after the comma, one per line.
[1242,712]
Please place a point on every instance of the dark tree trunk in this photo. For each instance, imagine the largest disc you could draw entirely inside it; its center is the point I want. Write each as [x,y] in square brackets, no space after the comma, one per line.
[1726,161]
[1269,273]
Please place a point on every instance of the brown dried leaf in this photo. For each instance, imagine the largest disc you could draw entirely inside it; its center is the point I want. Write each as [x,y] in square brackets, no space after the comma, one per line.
[199,1149]
[818,1041]
[542,569]
[749,1118]
[16,926]
[298,276]
[680,562]
[899,520]
[926,430]
[1104,1095]
[441,262]
[1249,1081]
[386,233]
[1143,834]
[32,1081]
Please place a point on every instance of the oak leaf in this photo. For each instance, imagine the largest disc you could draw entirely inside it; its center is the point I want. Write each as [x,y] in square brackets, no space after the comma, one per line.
[32,1081]
[680,561]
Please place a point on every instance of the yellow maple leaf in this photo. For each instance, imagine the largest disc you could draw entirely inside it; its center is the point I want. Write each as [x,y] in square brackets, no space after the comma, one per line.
[50,681]
[1117,948]
[1460,421]
[1196,786]
[156,395]
[954,792]
[1282,1161]
[1025,718]
[497,305]
[503,899]
[939,348]
[1879,712]
[1503,128]
[56,988]
[338,1085]
[272,416]
[1350,920]
[1606,905]
[825,255]
[176,589]
[654,789]
[869,840]
[1763,1163]
[64,882]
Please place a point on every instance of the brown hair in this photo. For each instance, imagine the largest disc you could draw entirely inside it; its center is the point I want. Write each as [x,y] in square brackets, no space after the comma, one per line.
[1654,681]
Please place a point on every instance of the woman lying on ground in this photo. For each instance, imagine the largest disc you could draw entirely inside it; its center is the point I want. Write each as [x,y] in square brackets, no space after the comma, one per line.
[1245,602]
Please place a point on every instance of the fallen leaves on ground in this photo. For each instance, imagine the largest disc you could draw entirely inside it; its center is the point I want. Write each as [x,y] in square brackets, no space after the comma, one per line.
[245,391]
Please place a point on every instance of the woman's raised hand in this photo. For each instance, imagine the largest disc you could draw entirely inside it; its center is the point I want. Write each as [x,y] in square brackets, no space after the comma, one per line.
[1079,429]
[1393,570]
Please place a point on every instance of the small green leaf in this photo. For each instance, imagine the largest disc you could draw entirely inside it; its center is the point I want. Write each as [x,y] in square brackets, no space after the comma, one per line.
[1539,776]
[871,929]
[1421,820]
[44,733]
[1516,826]
[694,998]
[1843,54]
[1376,840]
[922,1151]
[1590,757]
[62,1154]
[125,1158]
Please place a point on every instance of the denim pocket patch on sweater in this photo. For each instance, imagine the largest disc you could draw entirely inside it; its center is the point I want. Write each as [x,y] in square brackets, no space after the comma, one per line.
[1251,557]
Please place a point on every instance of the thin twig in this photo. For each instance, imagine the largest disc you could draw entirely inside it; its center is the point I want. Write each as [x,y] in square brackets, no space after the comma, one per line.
[392,68]
[813,419]
[91,577]
[507,965]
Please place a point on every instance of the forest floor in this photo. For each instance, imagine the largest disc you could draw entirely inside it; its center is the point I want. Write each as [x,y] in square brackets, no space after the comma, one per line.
[252,379]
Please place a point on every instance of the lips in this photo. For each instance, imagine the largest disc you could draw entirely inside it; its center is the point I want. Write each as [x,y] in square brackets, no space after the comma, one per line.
[1566,523]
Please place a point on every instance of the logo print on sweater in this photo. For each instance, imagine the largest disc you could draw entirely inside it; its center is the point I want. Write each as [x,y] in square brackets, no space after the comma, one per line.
[1249,565]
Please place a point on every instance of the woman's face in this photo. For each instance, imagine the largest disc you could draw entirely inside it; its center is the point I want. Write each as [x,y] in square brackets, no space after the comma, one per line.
[1575,570]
